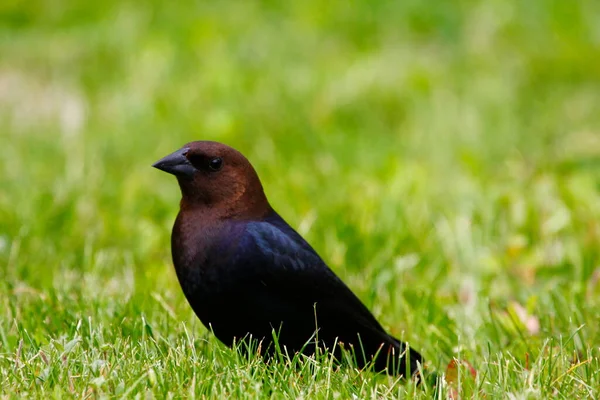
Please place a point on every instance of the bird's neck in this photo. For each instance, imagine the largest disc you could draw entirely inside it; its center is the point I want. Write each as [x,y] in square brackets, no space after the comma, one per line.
[197,227]
[250,208]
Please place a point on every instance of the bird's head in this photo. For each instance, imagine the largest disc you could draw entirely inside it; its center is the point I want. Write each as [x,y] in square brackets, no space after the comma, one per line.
[213,175]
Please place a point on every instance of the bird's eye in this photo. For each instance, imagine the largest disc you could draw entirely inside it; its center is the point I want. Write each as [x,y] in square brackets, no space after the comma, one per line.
[215,164]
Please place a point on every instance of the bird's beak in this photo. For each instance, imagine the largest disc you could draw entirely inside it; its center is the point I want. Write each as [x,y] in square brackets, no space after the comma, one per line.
[177,164]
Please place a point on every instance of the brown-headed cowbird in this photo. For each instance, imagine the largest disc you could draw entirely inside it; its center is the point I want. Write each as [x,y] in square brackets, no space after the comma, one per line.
[247,273]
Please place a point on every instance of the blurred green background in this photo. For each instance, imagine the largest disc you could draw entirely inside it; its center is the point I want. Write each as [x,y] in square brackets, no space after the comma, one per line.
[443,157]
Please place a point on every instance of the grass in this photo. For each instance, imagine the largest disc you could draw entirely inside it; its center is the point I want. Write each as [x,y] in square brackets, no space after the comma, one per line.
[444,159]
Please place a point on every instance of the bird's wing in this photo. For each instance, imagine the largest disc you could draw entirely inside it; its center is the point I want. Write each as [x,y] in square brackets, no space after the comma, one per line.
[293,275]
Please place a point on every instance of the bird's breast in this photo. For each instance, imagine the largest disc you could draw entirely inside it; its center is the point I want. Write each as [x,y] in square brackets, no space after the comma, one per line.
[202,256]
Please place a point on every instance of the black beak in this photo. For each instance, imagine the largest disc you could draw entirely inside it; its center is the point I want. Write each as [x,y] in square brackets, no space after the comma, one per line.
[177,164]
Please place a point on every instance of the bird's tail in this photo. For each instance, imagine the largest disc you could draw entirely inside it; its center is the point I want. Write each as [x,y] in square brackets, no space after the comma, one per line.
[400,359]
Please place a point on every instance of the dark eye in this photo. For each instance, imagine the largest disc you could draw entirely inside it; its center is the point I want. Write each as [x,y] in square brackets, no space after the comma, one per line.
[215,164]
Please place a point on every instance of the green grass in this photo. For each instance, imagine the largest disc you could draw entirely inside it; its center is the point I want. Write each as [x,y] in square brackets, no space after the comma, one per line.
[443,158]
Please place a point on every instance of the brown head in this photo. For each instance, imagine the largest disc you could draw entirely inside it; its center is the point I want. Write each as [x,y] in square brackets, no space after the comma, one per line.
[213,175]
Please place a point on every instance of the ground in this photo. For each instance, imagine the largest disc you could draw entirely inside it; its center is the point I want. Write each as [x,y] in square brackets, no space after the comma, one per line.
[444,159]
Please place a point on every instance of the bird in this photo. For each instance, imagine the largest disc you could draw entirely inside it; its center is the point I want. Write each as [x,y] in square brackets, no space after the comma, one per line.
[249,276]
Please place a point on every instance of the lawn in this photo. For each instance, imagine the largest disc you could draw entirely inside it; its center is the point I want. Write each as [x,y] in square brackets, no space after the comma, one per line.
[443,158]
